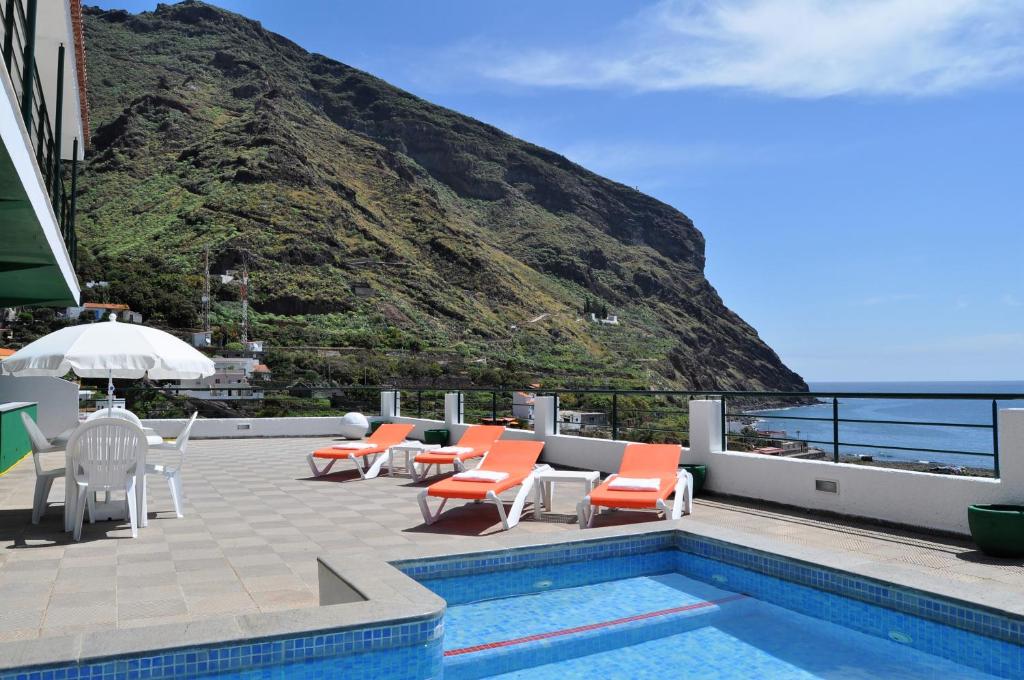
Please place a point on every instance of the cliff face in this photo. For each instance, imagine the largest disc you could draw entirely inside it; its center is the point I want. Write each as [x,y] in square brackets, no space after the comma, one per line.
[372,217]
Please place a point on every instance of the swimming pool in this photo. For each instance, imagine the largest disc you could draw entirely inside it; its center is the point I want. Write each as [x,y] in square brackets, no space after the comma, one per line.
[667,610]
[650,604]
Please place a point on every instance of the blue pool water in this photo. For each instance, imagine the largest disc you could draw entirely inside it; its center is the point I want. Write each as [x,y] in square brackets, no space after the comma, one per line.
[661,604]
[637,616]
[758,642]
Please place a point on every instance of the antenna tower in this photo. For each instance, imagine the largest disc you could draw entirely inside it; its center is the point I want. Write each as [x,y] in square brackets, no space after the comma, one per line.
[244,290]
[206,289]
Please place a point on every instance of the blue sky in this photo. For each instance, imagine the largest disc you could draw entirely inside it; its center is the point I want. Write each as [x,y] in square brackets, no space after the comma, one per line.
[856,166]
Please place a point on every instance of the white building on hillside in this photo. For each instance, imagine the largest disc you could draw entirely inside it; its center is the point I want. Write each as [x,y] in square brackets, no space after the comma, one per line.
[229,382]
[573,421]
[522,406]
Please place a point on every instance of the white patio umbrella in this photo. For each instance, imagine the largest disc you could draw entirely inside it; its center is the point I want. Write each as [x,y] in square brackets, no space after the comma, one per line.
[110,350]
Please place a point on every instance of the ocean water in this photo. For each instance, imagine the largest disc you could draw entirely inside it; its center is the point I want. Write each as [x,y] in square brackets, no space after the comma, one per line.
[928,443]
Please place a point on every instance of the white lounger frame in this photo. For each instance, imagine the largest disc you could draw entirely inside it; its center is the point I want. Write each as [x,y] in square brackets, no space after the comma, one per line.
[419,471]
[508,520]
[368,465]
[682,503]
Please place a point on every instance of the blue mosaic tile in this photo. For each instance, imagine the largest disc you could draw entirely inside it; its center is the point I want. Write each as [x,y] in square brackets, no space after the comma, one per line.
[518,558]
[970,648]
[981,639]
[948,612]
[418,643]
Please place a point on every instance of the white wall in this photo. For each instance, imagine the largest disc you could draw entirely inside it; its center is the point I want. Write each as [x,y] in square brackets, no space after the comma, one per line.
[899,496]
[390,404]
[564,450]
[920,499]
[455,429]
[214,428]
[584,453]
[57,400]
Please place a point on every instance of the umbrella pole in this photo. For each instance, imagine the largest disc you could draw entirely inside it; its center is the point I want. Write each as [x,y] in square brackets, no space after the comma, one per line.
[110,391]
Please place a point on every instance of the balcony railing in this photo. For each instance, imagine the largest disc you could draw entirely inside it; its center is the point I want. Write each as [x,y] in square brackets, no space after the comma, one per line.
[663,416]
[18,37]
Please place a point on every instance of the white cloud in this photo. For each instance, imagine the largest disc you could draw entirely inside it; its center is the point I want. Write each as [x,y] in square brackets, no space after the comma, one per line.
[795,48]
[1011,300]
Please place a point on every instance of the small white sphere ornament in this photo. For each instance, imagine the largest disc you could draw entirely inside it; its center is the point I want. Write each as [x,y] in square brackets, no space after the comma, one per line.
[354,425]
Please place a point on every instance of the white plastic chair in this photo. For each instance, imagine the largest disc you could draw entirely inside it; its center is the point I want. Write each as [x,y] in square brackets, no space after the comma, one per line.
[118,412]
[106,454]
[115,412]
[44,478]
[172,473]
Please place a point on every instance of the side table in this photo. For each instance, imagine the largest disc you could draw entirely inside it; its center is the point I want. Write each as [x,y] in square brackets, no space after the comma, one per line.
[544,482]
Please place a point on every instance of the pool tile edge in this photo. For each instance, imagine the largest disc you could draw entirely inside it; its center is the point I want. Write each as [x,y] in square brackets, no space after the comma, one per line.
[393,598]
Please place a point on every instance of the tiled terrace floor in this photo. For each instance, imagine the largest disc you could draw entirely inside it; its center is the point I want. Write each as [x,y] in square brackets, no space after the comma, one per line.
[255,522]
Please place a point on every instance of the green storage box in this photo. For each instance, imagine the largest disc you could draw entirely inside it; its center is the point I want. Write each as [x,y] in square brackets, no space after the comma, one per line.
[700,473]
[14,441]
[436,437]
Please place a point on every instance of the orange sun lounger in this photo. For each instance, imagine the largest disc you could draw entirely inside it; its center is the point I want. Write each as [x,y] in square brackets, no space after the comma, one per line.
[517,459]
[474,442]
[643,462]
[376,444]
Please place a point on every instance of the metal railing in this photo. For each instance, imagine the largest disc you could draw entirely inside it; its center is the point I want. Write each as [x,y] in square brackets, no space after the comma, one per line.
[255,400]
[424,403]
[18,26]
[829,419]
[834,422]
[663,416]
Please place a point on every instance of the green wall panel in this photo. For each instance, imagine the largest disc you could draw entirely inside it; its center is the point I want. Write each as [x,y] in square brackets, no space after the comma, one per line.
[14,441]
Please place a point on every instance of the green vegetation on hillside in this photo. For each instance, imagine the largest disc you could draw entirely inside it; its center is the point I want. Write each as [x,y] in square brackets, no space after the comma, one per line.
[373,219]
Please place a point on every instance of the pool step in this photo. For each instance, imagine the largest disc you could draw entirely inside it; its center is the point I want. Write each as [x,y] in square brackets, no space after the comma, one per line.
[485,660]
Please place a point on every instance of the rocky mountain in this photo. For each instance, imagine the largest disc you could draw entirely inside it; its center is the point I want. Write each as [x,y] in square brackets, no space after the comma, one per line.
[371,218]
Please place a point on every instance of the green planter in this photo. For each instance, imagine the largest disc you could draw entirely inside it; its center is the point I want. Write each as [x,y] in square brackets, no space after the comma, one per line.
[374,424]
[998,529]
[700,473]
[436,437]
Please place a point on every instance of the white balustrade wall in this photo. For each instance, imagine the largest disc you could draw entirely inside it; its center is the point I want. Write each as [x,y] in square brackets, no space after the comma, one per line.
[904,497]
[56,400]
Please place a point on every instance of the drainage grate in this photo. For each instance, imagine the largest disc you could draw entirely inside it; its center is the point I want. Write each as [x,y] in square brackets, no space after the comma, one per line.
[826,485]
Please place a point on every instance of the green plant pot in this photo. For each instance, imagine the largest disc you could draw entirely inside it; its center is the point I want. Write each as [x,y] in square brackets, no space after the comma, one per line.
[436,437]
[700,473]
[374,424]
[998,529]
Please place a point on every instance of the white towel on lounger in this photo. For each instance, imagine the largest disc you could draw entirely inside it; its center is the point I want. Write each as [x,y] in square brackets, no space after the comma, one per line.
[635,484]
[355,446]
[453,449]
[480,476]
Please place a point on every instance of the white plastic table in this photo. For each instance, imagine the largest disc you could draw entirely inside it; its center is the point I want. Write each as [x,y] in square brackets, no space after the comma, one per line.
[107,509]
[152,438]
[409,449]
[544,482]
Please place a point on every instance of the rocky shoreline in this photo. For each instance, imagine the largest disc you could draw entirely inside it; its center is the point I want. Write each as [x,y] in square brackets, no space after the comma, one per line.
[935,468]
